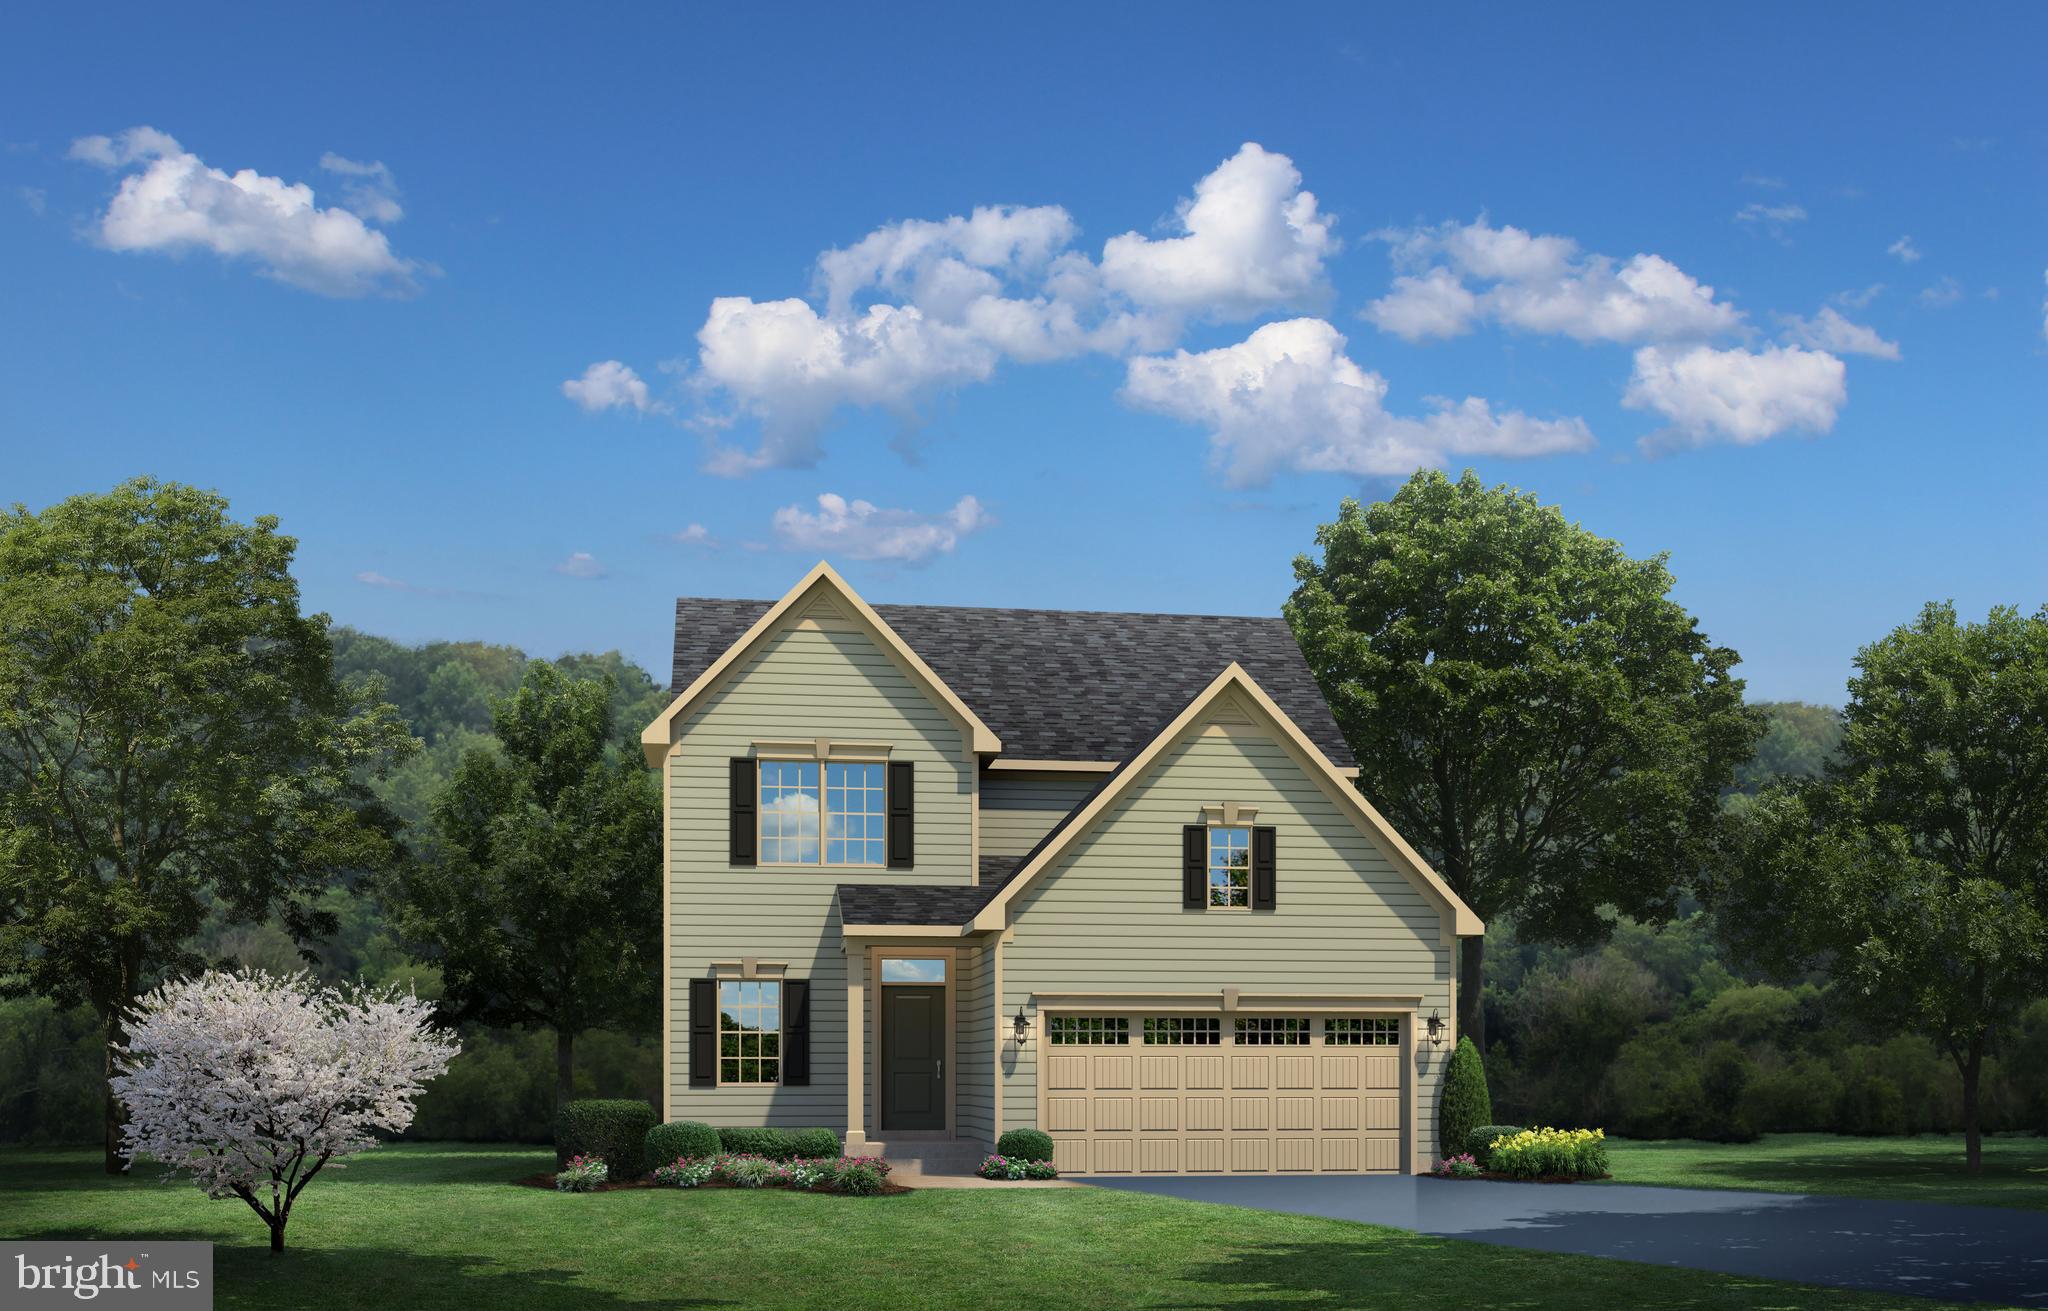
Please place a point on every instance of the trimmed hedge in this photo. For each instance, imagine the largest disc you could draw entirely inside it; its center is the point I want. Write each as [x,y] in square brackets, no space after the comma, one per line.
[1025,1145]
[1481,1139]
[613,1129]
[778,1144]
[666,1144]
[1464,1104]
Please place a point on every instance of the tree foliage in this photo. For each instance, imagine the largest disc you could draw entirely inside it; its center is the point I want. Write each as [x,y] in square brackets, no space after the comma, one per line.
[538,896]
[1527,704]
[1916,872]
[253,1083]
[1799,741]
[173,739]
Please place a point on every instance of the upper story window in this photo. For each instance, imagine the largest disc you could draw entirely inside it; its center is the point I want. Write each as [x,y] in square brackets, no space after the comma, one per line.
[830,812]
[1230,866]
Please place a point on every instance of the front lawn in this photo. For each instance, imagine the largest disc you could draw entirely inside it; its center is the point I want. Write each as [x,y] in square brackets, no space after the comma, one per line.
[428,1226]
[1924,1169]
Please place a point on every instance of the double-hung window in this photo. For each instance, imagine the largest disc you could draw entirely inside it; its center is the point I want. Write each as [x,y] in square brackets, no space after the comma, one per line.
[749,1031]
[823,812]
[1230,866]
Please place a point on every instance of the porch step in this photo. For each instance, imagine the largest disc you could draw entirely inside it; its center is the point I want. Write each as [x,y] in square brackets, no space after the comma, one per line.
[931,1155]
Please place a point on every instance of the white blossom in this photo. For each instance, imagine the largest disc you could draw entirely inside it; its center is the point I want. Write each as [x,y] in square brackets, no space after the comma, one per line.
[254,1082]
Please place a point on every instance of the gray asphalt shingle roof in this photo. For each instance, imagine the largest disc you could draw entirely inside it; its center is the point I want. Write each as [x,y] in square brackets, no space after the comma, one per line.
[1064,684]
[923,903]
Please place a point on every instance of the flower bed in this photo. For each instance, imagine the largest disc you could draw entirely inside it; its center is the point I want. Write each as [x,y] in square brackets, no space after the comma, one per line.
[1535,1156]
[1011,1167]
[851,1176]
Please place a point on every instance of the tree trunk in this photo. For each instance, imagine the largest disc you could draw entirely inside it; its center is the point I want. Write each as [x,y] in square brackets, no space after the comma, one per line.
[277,1235]
[113,1115]
[565,1068]
[1973,1134]
[1471,991]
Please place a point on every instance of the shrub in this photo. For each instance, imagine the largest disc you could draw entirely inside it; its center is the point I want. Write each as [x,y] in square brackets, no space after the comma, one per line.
[1480,1140]
[1025,1145]
[685,1172]
[1464,1105]
[614,1130]
[778,1144]
[678,1139]
[1551,1153]
[747,1171]
[858,1178]
[582,1174]
[1461,1166]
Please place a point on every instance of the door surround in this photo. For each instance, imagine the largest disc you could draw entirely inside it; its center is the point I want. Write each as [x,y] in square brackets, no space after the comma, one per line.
[948,1081]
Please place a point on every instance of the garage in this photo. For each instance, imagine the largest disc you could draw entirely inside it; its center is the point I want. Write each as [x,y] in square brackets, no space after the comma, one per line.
[1224,1094]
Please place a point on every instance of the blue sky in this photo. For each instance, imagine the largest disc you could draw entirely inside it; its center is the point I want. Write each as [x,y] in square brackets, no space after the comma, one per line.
[1763,290]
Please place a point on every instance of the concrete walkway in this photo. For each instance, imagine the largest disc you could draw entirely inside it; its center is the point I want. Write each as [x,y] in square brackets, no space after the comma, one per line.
[1963,1253]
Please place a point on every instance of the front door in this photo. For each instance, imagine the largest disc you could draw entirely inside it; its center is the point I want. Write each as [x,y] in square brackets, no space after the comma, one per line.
[913,1057]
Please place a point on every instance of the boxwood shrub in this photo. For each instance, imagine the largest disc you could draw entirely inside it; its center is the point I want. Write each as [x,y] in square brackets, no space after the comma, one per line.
[613,1129]
[1463,1105]
[1025,1145]
[1482,1138]
[778,1144]
[667,1143]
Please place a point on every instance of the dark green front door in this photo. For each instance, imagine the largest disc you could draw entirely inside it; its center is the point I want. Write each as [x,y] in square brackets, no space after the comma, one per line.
[913,1057]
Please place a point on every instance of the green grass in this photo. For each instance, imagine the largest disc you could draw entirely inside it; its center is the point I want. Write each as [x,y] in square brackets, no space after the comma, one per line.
[1924,1169]
[429,1226]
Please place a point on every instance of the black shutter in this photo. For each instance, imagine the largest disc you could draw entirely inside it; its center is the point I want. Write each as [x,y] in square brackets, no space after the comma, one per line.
[746,787]
[796,1032]
[1264,840]
[902,815]
[703,1033]
[1194,866]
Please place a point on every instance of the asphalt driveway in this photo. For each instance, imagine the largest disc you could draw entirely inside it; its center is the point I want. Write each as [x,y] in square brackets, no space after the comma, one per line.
[1965,1253]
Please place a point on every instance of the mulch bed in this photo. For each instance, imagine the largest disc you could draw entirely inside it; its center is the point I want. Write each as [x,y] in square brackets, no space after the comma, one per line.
[1513,1178]
[547,1181]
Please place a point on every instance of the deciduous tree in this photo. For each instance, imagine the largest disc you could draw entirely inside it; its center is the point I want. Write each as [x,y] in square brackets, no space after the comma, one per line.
[1916,871]
[539,896]
[172,735]
[1527,703]
[254,1083]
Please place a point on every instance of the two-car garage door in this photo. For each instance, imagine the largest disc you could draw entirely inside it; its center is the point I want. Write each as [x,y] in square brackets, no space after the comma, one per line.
[1139,1094]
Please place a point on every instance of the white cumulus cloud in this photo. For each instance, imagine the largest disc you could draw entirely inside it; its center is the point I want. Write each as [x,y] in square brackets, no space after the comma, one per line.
[368,189]
[862,530]
[610,385]
[920,307]
[1830,331]
[1542,284]
[1252,240]
[1903,250]
[1287,397]
[172,201]
[1735,395]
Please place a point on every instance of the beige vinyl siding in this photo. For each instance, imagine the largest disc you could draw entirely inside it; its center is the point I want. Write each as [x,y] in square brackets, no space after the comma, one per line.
[974,1051]
[1107,917]
[818,677]
[1019,809]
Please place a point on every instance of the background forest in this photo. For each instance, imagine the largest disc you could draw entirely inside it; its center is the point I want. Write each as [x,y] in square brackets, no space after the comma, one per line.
[1653,1034]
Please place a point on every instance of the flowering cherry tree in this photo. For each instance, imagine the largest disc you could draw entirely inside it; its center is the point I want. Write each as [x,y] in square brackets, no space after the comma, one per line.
[253,1082]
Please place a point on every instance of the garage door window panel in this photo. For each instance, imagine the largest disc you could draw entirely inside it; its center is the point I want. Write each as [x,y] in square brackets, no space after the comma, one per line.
[1272,1031]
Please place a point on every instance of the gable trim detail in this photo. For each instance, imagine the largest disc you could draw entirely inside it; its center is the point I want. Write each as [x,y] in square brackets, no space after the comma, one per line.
[659,737]
[1249,695]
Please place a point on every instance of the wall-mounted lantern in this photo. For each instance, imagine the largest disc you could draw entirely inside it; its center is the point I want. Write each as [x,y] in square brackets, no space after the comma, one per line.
[1020,1027]
[1436,1029]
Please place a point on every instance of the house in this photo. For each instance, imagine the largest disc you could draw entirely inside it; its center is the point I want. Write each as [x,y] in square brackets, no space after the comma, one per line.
[939,872]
